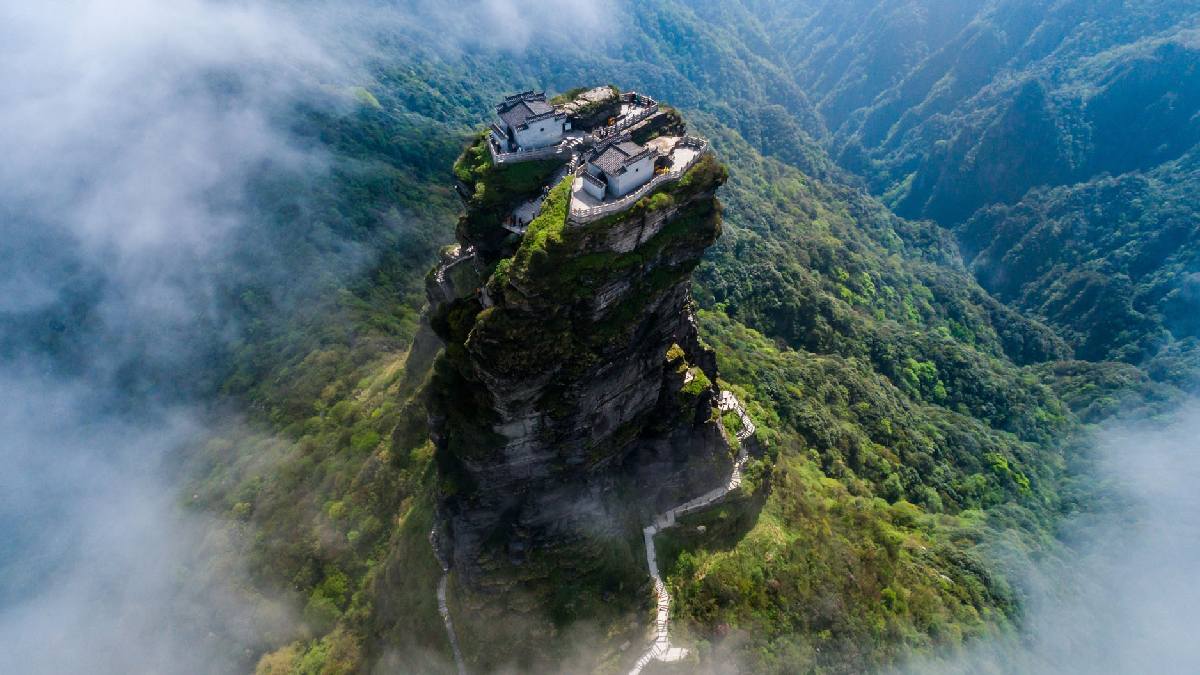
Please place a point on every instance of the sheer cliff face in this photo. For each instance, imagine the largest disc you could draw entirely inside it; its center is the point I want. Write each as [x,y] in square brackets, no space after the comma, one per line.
[574,396]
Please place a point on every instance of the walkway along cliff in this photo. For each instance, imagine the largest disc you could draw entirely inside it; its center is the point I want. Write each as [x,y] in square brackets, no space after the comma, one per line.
[573,401]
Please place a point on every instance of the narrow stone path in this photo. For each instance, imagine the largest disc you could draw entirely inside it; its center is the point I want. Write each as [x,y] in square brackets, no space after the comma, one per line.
[459,255]
[661,649]
[528,210]
[443,608]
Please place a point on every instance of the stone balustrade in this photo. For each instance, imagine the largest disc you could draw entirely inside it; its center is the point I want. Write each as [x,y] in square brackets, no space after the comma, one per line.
[584,215]
[567,147]
[625,122]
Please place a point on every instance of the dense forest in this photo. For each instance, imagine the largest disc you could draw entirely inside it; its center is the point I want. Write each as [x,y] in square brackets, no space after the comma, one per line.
[956,234]
[1056,139]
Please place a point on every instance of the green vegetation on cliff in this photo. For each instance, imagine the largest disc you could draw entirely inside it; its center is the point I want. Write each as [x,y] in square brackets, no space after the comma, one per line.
[908,414]
[545,231]
[909,427]
[493,191]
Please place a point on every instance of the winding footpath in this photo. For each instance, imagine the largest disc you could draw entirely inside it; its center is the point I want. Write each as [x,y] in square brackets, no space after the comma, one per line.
[661,649]
[443,608]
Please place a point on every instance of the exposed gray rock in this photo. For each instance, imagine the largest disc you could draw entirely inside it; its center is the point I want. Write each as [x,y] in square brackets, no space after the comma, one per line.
[560,420]
[592,108]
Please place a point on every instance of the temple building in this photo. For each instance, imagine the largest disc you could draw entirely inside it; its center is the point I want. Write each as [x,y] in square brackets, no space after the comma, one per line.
[618,167]
[528,122]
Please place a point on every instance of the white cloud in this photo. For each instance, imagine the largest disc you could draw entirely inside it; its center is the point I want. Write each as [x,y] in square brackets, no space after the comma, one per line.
[128,130]
[1123,599]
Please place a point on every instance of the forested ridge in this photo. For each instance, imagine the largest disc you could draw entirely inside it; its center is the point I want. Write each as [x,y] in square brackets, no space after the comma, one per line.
[939,264]
[1062,131]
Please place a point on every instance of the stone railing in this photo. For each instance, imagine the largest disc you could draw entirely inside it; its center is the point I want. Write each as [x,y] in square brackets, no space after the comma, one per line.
[636,98]
[587,214]
[454,258]
[499,156]
[625,122]
[572,165]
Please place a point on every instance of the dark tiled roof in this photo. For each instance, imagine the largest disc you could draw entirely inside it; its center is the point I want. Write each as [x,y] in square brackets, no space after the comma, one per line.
[520,109]
[520,96]
[610,160]
[592,179]
[616,157]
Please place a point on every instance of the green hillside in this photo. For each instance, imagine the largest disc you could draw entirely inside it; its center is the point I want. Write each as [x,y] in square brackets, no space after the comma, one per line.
[916,398]
[972,114]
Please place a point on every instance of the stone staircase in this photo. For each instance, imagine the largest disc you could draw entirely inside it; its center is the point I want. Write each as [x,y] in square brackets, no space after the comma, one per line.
[661,649]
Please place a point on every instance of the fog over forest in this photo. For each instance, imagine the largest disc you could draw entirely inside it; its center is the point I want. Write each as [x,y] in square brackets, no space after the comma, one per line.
[132,133]
[1121,598]
[131,129]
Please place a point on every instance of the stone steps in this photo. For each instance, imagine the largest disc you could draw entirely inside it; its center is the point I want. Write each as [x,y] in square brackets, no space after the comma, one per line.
[661,649]
[443,607]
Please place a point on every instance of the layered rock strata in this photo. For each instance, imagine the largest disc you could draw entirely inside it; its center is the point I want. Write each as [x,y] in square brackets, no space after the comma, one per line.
[574,396]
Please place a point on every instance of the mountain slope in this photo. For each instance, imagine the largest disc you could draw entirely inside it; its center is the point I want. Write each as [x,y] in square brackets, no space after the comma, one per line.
[907,412]
[950,110]
[1113,262]
[927,409]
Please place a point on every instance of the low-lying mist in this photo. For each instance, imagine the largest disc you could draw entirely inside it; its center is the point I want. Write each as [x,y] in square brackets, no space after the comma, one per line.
[129,132]
[1122,597]
[1139,600]
[133,132]
[102,571]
